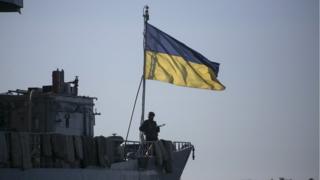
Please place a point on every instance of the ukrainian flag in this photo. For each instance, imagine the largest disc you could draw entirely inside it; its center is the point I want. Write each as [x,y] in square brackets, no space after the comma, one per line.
[171,61]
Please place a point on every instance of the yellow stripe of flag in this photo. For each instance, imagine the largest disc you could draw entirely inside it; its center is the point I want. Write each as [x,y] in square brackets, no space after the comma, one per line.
[179,71]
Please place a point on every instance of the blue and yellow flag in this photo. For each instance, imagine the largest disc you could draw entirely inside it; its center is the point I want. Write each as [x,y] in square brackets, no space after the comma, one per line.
[169,60]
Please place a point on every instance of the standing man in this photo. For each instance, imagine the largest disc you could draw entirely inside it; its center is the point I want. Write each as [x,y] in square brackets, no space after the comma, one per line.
[150,128]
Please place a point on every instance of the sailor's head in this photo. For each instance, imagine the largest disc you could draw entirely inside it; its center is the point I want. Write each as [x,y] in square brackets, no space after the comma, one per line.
[151,115]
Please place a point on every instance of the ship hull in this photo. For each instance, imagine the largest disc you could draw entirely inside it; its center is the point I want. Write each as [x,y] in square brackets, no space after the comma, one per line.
[127,170]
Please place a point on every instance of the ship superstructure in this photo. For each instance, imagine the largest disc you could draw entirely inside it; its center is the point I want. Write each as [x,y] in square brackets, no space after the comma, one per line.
[48,133]
[55,108]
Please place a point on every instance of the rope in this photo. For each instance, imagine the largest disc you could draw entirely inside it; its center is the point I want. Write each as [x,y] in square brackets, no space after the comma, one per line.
[193,154]
[134,106]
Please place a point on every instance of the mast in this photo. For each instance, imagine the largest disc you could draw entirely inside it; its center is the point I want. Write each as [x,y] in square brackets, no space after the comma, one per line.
[145,18]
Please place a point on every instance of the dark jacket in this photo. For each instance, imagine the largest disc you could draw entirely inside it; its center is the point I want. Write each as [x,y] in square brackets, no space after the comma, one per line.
[150,129]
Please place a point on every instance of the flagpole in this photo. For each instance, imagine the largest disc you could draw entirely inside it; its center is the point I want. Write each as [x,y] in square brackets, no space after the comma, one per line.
[145,18]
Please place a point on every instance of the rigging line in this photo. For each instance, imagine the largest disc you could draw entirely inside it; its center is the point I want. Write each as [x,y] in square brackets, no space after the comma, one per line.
[134,106]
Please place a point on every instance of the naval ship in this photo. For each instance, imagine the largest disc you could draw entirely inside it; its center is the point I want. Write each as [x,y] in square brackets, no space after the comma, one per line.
[48,133]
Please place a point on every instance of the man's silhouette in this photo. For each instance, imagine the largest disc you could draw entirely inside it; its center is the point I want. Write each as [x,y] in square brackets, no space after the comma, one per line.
[150,128]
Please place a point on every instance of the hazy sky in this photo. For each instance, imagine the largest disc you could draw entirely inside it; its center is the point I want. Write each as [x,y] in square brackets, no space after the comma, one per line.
[265,124]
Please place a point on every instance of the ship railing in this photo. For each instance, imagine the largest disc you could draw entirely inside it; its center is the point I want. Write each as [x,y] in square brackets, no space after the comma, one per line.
[180,145]
[147,148]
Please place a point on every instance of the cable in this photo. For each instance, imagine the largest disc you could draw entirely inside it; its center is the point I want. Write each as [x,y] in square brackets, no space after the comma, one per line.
[134,106]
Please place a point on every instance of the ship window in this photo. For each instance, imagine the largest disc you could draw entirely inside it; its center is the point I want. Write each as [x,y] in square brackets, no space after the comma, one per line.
[67,123]
[67,117]
[2,116]
[2,119]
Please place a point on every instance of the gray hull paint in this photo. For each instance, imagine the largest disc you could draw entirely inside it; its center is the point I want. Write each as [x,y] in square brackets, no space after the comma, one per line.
[123,171]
